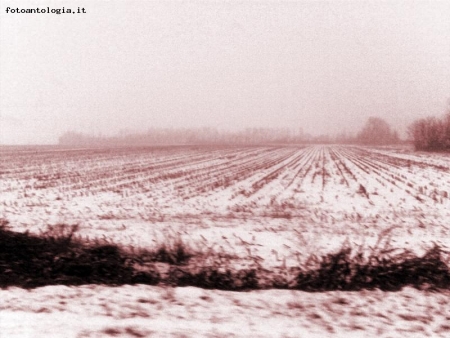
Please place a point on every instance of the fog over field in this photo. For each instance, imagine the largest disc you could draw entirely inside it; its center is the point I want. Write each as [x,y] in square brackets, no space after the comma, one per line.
[324,67]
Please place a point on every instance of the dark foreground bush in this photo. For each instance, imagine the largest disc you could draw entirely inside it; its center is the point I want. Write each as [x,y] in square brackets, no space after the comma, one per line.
[341,271]
[214,278]
[56,257]
[30,261]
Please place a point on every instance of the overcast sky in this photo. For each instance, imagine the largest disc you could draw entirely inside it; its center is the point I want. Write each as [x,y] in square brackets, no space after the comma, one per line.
[322,66]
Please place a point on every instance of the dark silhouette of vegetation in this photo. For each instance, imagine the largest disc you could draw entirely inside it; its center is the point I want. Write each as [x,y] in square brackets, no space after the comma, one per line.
[431,134]
[214,278]
[341,271]
[58,257]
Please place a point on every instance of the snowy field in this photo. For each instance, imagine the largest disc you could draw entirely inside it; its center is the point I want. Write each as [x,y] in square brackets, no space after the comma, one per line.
[145,311]
[269,207]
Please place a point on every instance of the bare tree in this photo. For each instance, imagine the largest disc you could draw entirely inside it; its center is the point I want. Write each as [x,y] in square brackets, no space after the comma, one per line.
[431,133]
[377,131]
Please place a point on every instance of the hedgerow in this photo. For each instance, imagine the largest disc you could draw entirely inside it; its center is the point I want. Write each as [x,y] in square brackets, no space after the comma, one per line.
[58,256]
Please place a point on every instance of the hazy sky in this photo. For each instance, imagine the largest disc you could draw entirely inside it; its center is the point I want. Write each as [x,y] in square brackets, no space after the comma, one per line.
[322,66]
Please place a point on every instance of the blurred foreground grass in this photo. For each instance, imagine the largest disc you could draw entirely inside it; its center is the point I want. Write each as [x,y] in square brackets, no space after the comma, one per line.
[59,257]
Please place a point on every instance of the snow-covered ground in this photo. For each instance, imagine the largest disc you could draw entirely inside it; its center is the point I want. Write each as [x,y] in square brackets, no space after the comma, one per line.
[270,205]
[144,311]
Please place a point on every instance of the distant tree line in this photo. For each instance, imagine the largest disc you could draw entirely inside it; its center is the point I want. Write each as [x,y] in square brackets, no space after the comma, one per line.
[184,136]
[375,132]
[427,134]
